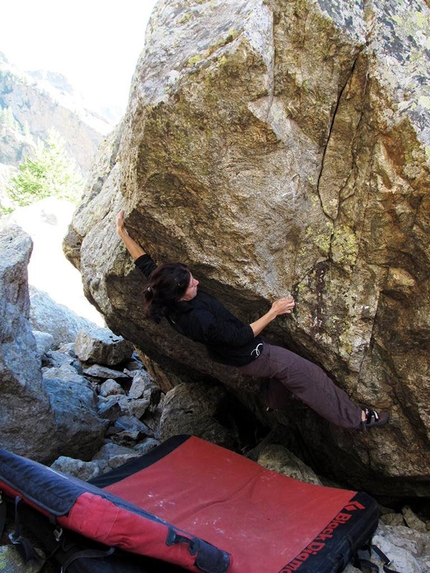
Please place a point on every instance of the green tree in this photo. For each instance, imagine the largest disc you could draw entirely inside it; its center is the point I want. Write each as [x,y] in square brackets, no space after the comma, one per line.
[51,173]
[6,115]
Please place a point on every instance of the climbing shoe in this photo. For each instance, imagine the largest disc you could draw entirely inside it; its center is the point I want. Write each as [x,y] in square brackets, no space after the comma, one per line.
[374,419]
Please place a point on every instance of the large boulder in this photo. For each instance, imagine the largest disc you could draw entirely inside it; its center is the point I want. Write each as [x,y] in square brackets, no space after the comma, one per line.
[193,409]
[26,420]
[284,147]
[79,429]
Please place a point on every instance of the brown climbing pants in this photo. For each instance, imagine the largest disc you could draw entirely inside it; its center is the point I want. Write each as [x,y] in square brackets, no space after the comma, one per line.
[307,381]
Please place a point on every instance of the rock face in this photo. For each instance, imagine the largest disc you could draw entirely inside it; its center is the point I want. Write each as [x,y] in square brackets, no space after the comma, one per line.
[23,401]
[42,412]
[61,322]
[32,104]
[284,147]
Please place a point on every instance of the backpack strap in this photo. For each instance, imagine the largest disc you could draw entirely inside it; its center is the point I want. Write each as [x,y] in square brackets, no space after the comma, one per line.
[87,554]
[22,544]
[2,514]
[363,560]
[386,561]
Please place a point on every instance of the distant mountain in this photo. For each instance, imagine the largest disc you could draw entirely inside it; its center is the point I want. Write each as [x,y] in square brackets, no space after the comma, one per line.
[32,103]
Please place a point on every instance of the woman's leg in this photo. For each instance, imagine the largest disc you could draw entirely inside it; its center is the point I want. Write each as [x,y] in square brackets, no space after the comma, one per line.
[309,383]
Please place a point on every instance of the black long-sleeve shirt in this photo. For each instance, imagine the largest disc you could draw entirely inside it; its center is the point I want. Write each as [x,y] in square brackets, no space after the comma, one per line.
[204,319]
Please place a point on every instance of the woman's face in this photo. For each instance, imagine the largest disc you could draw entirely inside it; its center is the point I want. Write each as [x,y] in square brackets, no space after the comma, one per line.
[191,291]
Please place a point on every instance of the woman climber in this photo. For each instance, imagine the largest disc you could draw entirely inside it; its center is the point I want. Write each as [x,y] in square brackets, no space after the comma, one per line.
[172,292]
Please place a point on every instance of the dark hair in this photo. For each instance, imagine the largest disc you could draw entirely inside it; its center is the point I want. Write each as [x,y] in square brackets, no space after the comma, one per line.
[166,286]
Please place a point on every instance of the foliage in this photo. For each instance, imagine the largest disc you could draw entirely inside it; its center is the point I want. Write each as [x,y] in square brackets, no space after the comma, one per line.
[5,210]
[50,173]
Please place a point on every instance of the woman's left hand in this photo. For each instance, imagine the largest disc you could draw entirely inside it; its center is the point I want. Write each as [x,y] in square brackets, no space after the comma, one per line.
[283,305]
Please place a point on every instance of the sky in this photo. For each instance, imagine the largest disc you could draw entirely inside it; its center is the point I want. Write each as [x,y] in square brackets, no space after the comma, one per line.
[94,43]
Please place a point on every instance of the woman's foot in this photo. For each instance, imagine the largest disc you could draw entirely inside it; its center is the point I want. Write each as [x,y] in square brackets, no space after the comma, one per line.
[371,418]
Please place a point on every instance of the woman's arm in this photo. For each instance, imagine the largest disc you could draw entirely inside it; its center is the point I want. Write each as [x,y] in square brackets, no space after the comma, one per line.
[132,247]
[283,305]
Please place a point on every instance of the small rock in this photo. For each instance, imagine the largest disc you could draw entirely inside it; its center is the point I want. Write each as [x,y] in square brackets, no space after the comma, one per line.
[102,346]
[140,381]
[44,341]
[128,429]
[120,460]
[134,364]
[97,371]
[146,446]
[68,348]
[402,558]
[110,450]
[413,521]
[280,460]
[78,468]
[59,358]
[108,408]
[394,519]
[110,387]
[137,408]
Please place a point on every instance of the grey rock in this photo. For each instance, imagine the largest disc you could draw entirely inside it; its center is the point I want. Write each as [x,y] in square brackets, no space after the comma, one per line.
[146,446]
[280,460]
[110,387]
[108,408]
[153,416]
[412,520]
[22,396]
[141,379]
[116,455]
[98,371]
[101,346]
[128,430]
[393,519]
[68,374]
[110,450]
[79,431]
[68,348]
[44,341]
[408,550]
[61,322]
[134,407]
[191,409]
[133,365]
[78,468]
[62,358]
[121,459]
[143,386]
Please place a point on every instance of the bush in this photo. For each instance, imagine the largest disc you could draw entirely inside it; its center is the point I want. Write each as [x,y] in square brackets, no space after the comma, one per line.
[51,173]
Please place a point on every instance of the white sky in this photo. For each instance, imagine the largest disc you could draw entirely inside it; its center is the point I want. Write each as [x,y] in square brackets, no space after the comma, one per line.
[94,43]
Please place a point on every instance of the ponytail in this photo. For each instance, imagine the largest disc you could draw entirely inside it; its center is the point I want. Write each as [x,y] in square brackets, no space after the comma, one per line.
[167,284]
